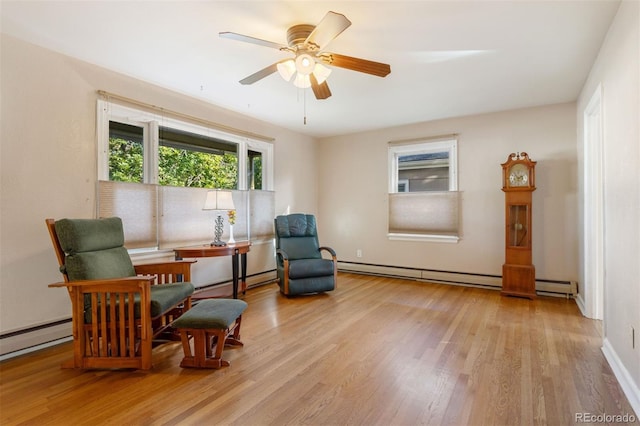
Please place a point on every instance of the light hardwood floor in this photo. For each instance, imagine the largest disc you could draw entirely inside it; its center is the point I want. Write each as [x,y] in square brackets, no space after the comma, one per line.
[377,351]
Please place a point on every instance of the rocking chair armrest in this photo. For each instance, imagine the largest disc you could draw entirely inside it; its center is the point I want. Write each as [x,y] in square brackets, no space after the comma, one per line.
[172,267]
[125,281]
[330,250]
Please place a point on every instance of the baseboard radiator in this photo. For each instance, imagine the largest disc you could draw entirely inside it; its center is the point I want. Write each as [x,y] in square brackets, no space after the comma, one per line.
[21,341]
[543,286]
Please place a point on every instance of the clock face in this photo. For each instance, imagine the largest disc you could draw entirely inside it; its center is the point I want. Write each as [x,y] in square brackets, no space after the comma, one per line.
[519,175]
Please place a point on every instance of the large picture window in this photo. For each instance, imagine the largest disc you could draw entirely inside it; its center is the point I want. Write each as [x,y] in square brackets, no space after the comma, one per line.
[423,190]
[142,146]
[154,172]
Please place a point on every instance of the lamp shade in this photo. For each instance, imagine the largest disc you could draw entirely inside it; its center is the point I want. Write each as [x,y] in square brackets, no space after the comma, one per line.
[218,200]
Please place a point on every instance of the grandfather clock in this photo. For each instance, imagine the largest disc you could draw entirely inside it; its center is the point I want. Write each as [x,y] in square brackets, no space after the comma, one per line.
[518,184]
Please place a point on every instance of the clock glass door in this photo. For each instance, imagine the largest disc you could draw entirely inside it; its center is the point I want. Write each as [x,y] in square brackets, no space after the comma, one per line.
[518,225]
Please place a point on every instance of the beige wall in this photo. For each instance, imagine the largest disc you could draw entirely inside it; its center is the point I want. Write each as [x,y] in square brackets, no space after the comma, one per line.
[354,184]
[48,166]
[48,169]
[617,70]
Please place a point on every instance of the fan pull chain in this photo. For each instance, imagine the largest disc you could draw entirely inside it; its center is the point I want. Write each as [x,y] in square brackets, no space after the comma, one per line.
[304,102]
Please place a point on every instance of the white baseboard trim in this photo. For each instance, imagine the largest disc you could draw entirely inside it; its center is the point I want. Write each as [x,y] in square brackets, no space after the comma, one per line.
[580,302]
[494,282]
[629,387]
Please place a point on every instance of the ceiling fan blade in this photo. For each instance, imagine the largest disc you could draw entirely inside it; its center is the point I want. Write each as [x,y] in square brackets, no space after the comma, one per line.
[252,40]
[265,72]
[356,64]
[329,28]
[320,90]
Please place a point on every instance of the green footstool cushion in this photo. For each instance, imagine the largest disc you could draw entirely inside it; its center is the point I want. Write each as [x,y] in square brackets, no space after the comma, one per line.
[212,314]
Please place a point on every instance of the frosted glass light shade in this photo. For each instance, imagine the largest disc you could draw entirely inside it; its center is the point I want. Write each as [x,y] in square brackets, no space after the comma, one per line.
[302,81]
[321,72]
[286,69]
[300,70]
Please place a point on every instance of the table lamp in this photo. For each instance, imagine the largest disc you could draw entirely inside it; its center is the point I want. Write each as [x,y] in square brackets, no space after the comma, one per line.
[218,200]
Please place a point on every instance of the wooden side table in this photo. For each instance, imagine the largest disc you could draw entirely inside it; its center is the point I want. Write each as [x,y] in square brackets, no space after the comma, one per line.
[238,252]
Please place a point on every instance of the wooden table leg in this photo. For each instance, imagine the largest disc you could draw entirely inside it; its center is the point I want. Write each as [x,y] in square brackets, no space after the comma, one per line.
[243,257]
[234,268]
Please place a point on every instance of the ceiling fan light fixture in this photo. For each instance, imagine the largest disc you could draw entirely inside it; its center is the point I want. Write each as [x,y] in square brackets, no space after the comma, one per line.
[321,72]
[286,69]
[307,43]
[305,64]
[302,81]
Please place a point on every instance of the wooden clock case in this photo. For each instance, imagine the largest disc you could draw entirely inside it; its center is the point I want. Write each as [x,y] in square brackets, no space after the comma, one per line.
[518,184]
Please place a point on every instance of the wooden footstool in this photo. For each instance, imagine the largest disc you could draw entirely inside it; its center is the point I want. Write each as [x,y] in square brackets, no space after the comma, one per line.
[213,323]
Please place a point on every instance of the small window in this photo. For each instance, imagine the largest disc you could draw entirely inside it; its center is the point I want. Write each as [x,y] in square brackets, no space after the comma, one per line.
[423,166]
[423,191]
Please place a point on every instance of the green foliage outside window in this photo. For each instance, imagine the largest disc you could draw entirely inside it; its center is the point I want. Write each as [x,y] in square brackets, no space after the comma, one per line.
[179,167]
[176,167]
[125,160]
[255,173]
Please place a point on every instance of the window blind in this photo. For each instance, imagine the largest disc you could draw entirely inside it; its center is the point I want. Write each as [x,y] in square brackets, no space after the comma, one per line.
[424,213]
[262,211]
[137,205]
[168,216]
[182,220]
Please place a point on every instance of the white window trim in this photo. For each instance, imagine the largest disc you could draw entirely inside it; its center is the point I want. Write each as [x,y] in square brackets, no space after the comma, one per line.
[267,161]
[396,151]
[107,111]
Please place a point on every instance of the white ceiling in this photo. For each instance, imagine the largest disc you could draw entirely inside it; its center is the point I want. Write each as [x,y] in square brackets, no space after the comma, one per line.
[448,58]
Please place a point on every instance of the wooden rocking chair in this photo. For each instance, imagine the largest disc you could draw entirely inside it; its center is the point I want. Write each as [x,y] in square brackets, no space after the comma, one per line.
[118,309]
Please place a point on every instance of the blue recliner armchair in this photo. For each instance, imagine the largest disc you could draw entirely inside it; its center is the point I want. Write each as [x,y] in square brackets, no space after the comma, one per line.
[300,266]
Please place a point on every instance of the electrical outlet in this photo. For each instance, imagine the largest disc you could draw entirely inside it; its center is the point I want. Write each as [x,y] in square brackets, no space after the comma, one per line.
[359,253]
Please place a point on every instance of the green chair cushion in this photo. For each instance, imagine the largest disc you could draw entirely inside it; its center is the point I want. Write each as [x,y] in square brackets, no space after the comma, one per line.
[94,249]
[163,298]
[212,314]
[98,265]
[81,235]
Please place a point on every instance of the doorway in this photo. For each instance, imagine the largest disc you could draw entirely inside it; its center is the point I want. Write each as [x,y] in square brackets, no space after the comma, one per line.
[594,225]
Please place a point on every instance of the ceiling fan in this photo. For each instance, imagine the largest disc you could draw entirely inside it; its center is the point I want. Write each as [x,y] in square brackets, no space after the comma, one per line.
[307,67]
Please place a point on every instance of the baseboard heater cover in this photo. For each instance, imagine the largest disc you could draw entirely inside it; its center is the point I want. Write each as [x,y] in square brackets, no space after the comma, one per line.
[494,282]
[30,339]
[254,280]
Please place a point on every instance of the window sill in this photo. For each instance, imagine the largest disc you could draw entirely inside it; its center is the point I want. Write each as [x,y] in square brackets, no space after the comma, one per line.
[451,239]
